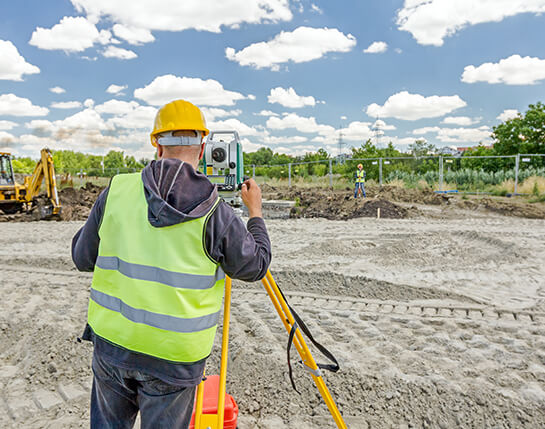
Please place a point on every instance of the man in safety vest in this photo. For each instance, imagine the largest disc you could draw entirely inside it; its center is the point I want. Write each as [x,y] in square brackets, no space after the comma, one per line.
[160,243]
[360,181]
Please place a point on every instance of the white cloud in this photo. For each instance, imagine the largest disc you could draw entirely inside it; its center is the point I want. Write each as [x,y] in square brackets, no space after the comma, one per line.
[87,119]
[411,107]
[508,114]
[284,140]
[72,34]
[122,54]
[315,8]
[266,113]
[383,126]
[11,105]
[66,105]
[356,131]
[89,102]
[301,45]
[235,124]
[426,130]
[133,35]
[249,146]
[515,70]
[13,66]
[211,113]
[141,117]
[6,138]
[344,118]
[460,120]
[302,124]
[463,135]
[116,107]
[7,125]
[430,21]
[456,135]
[289,98]
[251,97]
[88,131]
[57,90]
[376,48]
[166,88]
[171,15]
[41,127]
[116,89]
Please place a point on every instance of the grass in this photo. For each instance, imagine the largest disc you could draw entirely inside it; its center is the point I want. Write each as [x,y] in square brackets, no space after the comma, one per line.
[534,185]
[538,199]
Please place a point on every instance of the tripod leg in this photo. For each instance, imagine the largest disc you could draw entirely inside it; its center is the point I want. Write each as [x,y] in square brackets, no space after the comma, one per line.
[215,421]
[287,319]
[224,351]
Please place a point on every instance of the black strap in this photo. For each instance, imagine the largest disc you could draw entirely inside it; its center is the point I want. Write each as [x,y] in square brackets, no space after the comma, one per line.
[290,341]
[299,323]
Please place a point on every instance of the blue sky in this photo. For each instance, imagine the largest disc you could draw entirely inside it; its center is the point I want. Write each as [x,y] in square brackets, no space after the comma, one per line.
[292,75]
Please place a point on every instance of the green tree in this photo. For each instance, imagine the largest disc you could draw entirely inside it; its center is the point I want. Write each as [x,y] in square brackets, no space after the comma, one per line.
[522,134]
[114,159]
[421,148]
[23,165]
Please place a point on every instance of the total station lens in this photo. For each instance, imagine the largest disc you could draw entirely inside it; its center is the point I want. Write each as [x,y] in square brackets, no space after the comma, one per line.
[219,154]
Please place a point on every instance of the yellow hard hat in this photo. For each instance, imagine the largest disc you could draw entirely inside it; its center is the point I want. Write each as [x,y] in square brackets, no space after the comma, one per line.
[178,115]
[360,166]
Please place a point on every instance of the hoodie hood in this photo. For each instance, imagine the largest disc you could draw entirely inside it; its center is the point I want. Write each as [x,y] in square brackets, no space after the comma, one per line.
[175,192]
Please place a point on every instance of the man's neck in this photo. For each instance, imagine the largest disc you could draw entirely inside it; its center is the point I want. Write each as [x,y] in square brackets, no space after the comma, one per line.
[188,160]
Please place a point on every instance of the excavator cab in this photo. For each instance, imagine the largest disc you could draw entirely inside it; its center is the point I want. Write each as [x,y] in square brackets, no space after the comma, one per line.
[6,172]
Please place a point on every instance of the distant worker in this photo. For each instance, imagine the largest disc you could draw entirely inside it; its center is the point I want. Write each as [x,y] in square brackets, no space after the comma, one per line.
[160,243]
[360,181]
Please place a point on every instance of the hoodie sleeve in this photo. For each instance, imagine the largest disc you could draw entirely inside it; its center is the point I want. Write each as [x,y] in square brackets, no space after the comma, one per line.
[244,252]
[85,242]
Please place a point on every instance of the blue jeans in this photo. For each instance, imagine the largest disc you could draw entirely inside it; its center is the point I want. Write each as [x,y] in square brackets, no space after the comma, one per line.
[118,394]
[359,186]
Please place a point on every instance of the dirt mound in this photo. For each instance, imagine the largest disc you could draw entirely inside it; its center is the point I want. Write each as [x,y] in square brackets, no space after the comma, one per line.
[336,206]
[77,203]
[420,196]
[506,208]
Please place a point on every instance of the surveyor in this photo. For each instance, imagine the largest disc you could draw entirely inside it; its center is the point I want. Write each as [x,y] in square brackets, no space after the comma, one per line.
[360,181]
[159,244]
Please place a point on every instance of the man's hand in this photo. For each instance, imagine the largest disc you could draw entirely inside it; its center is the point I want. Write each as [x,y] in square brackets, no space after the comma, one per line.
[251,196]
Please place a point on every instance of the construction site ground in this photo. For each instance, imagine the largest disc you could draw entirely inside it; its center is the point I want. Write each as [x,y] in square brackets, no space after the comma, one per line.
[436,313]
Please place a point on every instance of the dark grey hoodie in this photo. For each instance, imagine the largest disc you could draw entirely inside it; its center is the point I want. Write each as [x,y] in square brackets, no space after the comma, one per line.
[176,193]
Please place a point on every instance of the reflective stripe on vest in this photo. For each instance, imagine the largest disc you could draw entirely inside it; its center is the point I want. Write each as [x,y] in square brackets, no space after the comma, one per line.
[360,176]
[155,290]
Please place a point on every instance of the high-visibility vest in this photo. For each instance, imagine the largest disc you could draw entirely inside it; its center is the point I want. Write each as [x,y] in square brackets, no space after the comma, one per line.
[360,176]
[155,290]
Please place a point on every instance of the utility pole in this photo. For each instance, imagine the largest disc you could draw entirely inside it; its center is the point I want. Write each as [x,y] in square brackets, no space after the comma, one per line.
[378,131]
[341,144]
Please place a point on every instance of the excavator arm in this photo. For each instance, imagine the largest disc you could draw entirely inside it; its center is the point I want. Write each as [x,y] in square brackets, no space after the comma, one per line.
[44,170]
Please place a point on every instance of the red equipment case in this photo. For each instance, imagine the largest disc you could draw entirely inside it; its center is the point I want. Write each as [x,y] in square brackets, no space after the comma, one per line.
[210,403]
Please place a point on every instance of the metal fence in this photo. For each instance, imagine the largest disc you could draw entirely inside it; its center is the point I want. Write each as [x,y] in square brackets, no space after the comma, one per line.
[437,170]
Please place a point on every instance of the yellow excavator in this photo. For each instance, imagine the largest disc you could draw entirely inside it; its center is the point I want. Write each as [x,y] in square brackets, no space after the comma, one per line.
[16,198]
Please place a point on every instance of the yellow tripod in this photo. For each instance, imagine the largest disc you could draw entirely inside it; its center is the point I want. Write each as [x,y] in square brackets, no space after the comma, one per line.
[215,421]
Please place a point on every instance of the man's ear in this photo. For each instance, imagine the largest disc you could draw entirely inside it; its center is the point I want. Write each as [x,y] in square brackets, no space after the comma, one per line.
[159,151]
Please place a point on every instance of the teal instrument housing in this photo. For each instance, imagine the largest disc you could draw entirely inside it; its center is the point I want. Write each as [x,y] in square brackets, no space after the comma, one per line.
[223,163]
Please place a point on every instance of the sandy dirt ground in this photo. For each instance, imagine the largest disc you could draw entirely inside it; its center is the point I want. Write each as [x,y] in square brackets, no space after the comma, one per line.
[437,323]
